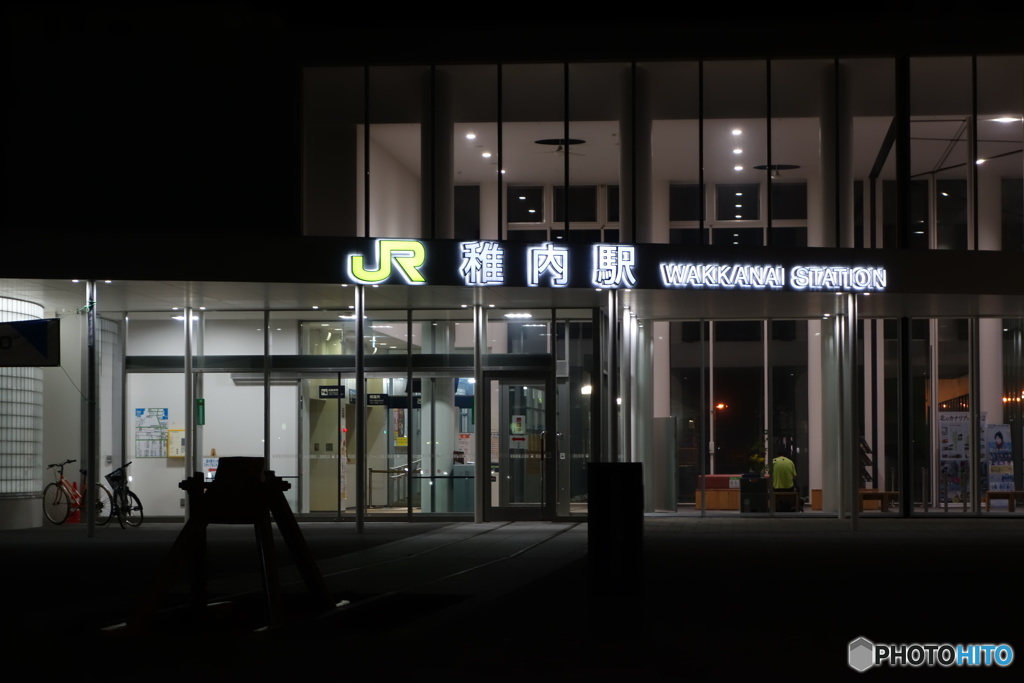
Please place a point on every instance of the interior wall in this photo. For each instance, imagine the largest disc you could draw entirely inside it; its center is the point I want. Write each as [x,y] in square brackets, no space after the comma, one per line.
[234,410]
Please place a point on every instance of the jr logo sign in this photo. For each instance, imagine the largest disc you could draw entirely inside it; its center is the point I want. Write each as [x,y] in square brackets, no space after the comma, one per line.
[408,255]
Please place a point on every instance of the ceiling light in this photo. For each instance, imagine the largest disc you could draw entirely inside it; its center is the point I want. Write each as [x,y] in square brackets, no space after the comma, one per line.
[1007,119]
[737,151]
[737,168]
[471,136]
[980,162]
[737,131]
[486,155]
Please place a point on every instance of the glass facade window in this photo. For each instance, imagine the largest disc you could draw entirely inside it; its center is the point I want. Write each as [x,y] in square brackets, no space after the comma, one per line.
[526,204]
[738,202]
[685,203]
[731,157]
[580,201]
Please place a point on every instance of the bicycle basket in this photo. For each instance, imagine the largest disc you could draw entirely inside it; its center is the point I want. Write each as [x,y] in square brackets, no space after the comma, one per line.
[116,477]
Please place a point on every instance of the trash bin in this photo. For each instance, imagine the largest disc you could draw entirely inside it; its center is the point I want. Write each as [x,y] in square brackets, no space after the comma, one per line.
[615,524]
[753,493]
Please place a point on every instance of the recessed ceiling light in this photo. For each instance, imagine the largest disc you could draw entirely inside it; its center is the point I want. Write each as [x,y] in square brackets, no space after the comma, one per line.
[1007,119]
[980,162]
[737,151]
[486,155]
[737,168]
[471,136]
[737,131]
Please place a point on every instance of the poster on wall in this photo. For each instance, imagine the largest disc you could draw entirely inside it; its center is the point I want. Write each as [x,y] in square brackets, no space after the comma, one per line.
[954,456]
[464,449]
[210,467]
[998,459]
[150,432]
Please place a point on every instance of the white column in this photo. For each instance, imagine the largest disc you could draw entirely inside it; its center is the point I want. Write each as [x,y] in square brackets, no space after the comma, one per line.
[815,441]
[438,420]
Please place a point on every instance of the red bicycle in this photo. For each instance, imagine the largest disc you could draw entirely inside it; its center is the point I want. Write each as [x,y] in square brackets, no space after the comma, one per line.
[61,498]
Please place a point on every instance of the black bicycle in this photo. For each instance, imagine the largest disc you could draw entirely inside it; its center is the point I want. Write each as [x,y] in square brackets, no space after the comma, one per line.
[126,505]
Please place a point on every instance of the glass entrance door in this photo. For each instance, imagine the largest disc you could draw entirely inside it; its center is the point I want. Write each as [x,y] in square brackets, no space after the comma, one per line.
[521,415]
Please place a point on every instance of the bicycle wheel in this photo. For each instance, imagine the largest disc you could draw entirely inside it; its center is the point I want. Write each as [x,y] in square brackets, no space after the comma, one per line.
[104,505]
[56,504]
[132,509]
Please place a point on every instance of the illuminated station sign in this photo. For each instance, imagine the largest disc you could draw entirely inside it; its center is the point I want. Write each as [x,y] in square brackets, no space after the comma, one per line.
[489,263]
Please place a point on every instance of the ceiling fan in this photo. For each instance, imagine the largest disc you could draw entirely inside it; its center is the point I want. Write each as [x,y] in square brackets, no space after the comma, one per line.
[561,145]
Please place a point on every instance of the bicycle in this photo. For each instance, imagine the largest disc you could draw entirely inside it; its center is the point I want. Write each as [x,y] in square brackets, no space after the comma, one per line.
[60,498]
[126,505]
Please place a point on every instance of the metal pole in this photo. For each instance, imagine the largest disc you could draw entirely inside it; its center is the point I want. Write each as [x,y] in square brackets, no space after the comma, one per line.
[360,411]
[266,389]
[92,410]
[704,400]
[482,469]
[190,454]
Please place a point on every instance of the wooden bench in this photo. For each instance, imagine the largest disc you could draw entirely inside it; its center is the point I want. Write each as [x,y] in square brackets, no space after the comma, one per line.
[794,496]
[885,498]
[1009,496]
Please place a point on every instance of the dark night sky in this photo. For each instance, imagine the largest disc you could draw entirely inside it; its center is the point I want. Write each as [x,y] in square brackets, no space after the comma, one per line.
[186,117]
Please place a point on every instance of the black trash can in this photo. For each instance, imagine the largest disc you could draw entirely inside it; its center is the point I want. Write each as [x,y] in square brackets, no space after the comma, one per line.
[615,524]
[753,493]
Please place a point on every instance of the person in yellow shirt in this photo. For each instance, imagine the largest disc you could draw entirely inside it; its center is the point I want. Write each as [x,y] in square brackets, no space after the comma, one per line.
[784,476]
